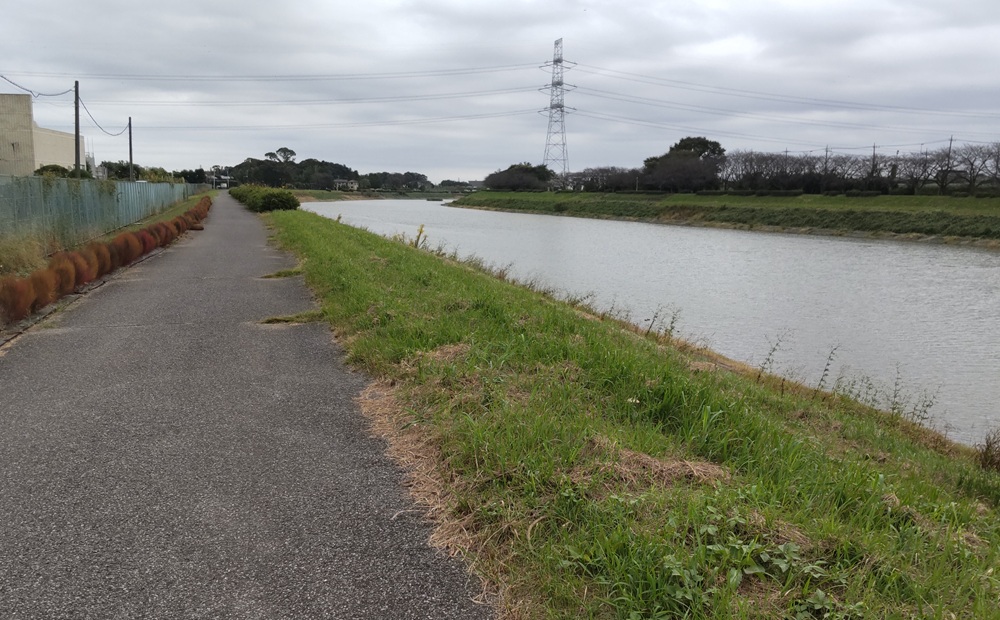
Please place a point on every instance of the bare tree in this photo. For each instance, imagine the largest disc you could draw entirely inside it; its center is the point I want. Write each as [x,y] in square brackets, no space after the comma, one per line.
[972,161]
[915,170]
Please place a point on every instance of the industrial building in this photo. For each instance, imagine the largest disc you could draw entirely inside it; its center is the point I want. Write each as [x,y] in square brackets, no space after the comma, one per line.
[26,147]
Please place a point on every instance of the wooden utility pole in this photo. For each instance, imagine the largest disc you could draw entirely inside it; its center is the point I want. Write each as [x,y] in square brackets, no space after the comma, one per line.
[76,168]
[131,170]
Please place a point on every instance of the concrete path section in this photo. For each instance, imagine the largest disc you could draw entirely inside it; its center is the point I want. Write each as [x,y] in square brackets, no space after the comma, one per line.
[164,455]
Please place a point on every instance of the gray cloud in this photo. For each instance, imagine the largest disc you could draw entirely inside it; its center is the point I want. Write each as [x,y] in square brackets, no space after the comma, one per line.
[649,74]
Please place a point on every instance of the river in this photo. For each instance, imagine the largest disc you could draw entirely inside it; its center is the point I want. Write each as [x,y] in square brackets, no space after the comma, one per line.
[910,325]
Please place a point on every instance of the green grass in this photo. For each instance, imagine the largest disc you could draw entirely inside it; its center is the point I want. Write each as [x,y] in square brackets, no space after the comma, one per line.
[589,471]
[902,215]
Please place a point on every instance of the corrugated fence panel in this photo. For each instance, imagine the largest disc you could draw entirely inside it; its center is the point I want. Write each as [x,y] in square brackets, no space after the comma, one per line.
[72,211]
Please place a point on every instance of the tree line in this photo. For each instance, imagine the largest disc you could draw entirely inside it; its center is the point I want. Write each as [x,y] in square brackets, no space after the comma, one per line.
[277,168]
[696,164]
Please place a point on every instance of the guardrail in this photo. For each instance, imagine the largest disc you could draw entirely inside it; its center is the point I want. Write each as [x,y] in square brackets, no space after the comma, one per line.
[71,211]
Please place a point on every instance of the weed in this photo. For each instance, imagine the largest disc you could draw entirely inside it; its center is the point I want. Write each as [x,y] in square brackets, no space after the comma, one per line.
[21,255]
[768,362]
[988,452]
[827,367]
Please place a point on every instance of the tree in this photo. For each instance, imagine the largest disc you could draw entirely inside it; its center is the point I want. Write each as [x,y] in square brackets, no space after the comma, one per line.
[285,154]
[973,162]
[192,176]
[522,176]
[692,164]
[120,170]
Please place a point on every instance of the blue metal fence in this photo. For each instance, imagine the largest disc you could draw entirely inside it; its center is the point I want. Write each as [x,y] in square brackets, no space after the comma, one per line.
[70,212]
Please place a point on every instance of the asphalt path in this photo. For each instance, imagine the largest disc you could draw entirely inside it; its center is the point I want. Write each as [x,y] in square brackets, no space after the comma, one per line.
[165,455]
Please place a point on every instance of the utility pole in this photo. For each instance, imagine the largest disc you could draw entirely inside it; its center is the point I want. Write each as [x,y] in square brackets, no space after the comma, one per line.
[76,167]
[131,172]
[555,140]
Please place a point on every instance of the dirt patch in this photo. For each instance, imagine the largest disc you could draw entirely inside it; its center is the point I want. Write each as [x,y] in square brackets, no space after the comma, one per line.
[638,470]
[448,353]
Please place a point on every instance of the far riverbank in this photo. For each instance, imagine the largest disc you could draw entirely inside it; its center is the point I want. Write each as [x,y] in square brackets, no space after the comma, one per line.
[931,219]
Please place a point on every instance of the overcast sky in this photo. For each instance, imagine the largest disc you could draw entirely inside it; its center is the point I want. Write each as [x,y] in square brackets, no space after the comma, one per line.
[451,88]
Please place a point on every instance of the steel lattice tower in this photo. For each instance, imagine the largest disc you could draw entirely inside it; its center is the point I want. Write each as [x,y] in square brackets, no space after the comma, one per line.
[555,141]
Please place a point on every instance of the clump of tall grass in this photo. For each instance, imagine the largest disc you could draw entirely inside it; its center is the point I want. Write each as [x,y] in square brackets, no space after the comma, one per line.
[988,452]
[20,255]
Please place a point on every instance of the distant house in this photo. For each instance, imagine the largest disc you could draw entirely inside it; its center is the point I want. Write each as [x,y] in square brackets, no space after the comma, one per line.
[26,147]
[345,184]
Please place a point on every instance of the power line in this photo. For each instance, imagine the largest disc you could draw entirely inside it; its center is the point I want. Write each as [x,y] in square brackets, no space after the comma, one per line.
[113,135]
[392,99]
[33,93]
[292,77]
[762,95]
[387,123]
[603,94]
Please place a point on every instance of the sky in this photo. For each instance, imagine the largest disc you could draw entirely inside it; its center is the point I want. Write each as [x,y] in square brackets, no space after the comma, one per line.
[456,89]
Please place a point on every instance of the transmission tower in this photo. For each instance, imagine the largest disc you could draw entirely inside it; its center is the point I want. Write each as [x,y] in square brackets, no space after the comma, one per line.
[555,142]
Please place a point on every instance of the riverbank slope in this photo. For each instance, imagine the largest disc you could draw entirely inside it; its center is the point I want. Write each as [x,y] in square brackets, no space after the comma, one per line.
[930,218]
[590,470]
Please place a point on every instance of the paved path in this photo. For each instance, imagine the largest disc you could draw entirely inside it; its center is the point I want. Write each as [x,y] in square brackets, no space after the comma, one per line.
[163,455]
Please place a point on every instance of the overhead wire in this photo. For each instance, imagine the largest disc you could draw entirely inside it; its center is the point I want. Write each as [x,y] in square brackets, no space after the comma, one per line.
[754,94]
[33,93]
[113,135]
[390,99]
[387,123]
[293,77]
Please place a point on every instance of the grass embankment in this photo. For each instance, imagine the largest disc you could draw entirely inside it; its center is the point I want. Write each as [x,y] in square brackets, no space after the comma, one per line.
[928,216]
[592,471]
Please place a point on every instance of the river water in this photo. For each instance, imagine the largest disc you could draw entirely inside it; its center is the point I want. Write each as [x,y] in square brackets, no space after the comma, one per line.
[911,325]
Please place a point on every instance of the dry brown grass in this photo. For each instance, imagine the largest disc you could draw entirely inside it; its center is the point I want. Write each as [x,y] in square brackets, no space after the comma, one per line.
[638,471]
[417,451]
[21,255]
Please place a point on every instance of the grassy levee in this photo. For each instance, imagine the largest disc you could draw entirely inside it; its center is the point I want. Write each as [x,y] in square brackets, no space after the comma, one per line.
[589,470]
[976,218]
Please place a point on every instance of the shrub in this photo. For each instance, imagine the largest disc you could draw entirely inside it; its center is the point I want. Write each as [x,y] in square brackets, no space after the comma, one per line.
[45,284]
[147,241]
[261,199]
[102,253]
[17,295]
[65,273]
[93,262]
[83,269]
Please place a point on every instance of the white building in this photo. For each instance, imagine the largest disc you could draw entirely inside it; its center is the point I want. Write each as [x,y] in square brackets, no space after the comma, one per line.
[26,147]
